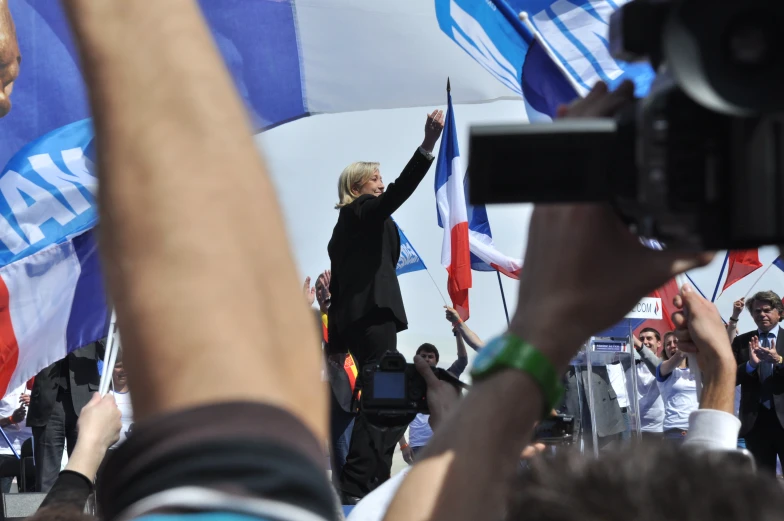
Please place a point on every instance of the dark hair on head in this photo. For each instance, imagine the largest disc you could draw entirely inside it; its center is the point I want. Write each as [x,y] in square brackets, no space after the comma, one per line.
[645,482]
[664,349]
[428,348]
[651,330]
[767,297]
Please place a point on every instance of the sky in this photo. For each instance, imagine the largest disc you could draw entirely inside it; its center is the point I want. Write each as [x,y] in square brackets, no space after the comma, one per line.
[306,157]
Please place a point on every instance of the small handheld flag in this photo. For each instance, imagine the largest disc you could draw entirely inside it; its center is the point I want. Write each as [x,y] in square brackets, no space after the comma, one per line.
[409,260]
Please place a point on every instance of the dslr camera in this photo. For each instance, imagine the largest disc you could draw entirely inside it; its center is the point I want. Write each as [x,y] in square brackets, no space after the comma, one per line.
[556,430]
[393,392]
[697,164]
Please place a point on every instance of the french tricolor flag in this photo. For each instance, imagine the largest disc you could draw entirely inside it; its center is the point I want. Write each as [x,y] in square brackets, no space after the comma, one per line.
[453,215]
[52,299]
[484,255]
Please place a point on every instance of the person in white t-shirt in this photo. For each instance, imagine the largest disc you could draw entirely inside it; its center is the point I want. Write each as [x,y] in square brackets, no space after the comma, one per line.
[650,401]
[678,389]
[12,421]
[123,399]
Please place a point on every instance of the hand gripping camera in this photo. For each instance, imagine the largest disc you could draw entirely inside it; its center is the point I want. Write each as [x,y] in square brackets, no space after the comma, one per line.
[698,163]
[393,391]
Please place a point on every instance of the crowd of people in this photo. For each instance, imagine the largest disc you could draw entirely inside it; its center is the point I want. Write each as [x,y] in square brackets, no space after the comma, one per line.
[666,392]
[197,314]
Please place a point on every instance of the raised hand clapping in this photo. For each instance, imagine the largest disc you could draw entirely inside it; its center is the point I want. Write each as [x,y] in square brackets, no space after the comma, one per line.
[768,354]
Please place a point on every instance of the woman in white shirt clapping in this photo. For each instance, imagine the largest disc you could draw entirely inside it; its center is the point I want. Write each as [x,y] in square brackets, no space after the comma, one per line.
[678,389]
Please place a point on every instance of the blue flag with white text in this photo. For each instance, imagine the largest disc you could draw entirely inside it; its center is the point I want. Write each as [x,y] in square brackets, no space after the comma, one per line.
[52,299]
[47,192]
[289,59]
[409,260]
[575,31]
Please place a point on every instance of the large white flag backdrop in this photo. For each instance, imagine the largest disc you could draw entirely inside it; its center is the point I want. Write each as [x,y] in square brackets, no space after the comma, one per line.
[288,58]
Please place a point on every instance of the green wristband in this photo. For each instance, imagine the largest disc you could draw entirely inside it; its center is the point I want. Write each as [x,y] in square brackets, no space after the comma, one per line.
[511,352]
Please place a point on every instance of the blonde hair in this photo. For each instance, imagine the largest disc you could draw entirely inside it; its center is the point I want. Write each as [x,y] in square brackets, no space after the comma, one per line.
[354,174]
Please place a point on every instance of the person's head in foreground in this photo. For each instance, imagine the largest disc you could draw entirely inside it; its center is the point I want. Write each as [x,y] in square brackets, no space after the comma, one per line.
[647,482]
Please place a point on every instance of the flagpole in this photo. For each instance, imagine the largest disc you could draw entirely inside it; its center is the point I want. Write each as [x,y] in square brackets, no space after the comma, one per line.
[10,445]
[503,297]
[436,285]
[756,281]
[695,285]
[721,274]
[448,90]
[421,260]
[109,356]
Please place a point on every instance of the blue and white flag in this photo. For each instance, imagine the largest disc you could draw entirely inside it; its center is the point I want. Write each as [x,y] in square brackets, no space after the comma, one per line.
[575,31]
[289,59]
[52,298]
[409,260]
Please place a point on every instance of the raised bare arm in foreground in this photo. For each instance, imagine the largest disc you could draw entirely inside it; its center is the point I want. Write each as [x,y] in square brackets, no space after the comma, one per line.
[193,243]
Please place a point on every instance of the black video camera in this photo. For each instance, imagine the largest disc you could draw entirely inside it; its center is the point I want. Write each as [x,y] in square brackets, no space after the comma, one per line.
[393,392]
[698,163]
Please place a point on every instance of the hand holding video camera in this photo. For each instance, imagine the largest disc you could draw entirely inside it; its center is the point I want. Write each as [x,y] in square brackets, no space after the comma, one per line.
[684,163]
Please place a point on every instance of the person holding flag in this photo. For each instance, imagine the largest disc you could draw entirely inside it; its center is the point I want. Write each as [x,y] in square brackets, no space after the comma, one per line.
[367,307]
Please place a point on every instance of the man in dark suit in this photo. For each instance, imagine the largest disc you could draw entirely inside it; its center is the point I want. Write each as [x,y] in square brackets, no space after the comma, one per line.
[59,393]
[761,379]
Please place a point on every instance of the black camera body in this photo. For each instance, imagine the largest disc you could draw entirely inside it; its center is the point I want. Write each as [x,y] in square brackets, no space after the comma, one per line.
[556,430]
[698,163]
[393,392]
